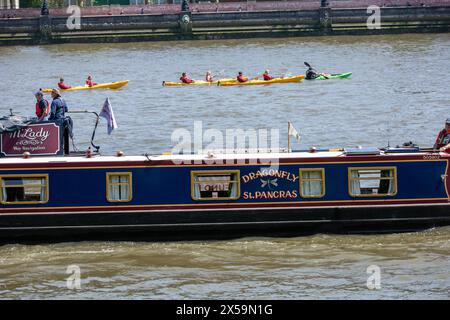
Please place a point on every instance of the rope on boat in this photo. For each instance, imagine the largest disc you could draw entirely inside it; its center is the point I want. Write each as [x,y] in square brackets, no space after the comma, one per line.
[97,148]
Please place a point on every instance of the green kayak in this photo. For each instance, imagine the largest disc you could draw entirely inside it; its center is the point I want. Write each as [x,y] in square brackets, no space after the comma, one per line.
[334,76]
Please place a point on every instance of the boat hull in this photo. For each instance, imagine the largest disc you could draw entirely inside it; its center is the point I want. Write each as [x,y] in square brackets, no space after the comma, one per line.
[111,85]
[196,83]
[219,223]
[294,79]
[334,76]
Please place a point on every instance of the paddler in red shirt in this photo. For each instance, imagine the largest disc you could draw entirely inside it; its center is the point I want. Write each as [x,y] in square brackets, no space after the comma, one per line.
[62,85]
[89,81]
[241,78]
[267,76]
[185,79]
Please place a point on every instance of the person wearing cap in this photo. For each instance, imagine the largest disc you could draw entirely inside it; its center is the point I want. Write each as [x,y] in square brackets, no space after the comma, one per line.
[267,76]
[42,106]
[443,138]
[62,85]
[58,107]
[241,78]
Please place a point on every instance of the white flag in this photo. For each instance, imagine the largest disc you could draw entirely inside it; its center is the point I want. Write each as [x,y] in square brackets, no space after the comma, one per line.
[293,133]
[108,114]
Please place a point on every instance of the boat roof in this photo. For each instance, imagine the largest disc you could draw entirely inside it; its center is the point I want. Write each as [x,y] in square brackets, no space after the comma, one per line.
[211,155]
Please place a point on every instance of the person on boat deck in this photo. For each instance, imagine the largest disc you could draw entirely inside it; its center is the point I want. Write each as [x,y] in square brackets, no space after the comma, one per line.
[58,107]
[89,81]
[267,76]
[443,138]
[185,79]
[241,77]
[42,106]
[209,77]
[62,85]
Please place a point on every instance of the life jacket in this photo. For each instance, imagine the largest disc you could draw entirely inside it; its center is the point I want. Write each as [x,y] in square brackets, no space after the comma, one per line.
[63,86]
[39,111]
[267,77]
[90,83]
[185,79]
[242,78]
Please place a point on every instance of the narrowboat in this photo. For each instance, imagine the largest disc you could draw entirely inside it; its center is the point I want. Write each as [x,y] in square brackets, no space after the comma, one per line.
[51,194]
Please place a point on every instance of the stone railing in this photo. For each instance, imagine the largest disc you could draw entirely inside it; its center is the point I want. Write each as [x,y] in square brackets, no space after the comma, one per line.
[221,25]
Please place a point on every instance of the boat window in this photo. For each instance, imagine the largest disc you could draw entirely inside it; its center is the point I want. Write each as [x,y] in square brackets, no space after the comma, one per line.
[312,183]
[119,186]
[366,182]
[215,185]
[24,189]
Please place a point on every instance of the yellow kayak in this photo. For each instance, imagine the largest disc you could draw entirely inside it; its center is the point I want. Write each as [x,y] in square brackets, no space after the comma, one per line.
[262,82]
[111,85]
[195,83]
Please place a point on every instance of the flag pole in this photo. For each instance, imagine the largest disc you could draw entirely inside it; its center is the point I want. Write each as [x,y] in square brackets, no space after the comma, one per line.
[289,138]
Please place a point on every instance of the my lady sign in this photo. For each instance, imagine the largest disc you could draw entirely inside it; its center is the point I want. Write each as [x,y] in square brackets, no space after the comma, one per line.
[37,139]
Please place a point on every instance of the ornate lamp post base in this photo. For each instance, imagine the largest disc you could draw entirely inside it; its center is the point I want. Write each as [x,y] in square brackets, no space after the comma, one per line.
[185,6]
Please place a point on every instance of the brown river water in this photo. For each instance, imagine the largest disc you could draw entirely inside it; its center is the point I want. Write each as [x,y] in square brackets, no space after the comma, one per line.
[398,92]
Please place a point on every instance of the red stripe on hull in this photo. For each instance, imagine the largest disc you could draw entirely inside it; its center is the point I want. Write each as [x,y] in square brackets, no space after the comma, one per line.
[223,206]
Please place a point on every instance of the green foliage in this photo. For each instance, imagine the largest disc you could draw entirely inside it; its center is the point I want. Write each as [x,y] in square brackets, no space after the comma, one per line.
[30,3]
[55,3]
[38,3]
[113,2]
